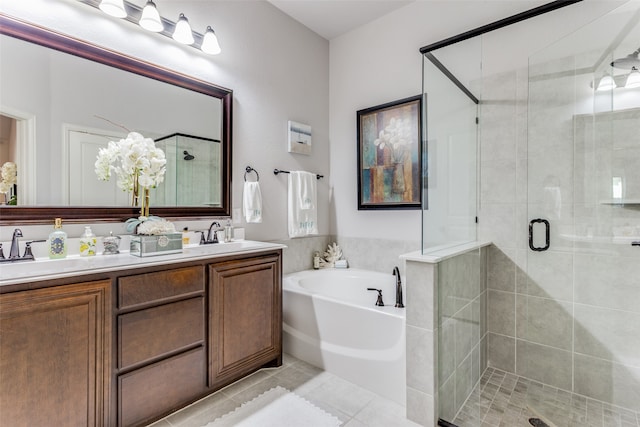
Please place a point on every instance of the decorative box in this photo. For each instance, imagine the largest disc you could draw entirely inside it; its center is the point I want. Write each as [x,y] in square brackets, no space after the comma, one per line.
[162,244]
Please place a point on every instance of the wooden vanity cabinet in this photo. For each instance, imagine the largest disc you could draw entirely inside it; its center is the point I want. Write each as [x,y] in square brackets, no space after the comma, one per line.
[161,342]
[125,348]
[245,317]
[55,348]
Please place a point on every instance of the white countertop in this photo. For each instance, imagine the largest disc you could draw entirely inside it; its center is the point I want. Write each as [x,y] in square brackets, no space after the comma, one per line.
[440,253]
[13,273]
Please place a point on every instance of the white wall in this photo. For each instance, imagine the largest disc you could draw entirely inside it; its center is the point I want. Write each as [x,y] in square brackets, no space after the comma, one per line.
[277,68]
[380,62]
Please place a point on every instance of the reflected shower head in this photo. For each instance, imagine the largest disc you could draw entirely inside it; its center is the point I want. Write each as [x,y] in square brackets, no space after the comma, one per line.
[187,156]
[628,62]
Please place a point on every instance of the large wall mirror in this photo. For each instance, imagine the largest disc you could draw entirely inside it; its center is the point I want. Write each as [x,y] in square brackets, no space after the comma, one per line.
[62,99]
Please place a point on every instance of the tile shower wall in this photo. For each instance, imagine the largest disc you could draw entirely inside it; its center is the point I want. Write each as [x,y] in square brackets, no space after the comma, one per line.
[446,334]
[567,317]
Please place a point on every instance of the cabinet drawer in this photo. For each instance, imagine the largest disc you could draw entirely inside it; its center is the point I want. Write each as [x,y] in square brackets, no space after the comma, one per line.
[157,331]
[155,390]
[159,286]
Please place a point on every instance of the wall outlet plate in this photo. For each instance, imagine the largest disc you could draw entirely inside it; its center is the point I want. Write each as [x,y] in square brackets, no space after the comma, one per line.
[236,216]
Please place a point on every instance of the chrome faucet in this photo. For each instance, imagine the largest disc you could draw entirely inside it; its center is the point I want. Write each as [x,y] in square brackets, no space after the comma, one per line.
[396,273]
[14,253]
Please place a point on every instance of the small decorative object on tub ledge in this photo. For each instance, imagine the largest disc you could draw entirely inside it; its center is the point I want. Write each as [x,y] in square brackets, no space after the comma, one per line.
[341,263]
[331,255]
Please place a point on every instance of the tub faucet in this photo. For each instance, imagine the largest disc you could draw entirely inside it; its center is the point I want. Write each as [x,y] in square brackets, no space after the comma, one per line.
[379,301]
[396,273]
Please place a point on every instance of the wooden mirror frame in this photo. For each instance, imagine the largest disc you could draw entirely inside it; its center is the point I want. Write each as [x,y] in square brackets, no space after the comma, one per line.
[45,214]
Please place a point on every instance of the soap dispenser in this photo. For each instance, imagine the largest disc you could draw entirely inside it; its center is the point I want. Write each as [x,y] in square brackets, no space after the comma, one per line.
[88,242]
[57,241]
[228,231]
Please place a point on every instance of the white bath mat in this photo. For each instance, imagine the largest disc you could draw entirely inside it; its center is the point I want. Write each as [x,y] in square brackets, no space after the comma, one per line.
[277,407]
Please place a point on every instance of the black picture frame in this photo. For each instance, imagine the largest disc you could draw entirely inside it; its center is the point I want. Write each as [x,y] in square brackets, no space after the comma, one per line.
[390,155]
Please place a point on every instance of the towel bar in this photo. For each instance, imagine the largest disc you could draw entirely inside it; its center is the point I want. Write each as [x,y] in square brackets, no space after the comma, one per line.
[277,171]
[249,169]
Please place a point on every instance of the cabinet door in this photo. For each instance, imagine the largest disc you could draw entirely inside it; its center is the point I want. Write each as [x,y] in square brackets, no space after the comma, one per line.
[55,356]
[245,300]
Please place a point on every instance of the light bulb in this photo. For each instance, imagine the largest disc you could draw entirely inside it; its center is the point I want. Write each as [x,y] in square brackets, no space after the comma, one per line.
[210,43]
[182,33]
[606,83]
[150,19]
[113,8]
[633,79]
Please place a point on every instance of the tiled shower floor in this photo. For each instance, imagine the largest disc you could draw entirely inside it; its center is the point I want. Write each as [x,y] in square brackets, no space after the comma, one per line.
[506,400]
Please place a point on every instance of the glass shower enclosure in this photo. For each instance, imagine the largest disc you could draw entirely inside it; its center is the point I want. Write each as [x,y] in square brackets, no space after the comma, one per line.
[560,343]
[578,320]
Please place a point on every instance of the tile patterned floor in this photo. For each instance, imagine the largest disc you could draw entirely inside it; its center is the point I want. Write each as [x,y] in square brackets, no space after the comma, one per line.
[507,400]
[353,405]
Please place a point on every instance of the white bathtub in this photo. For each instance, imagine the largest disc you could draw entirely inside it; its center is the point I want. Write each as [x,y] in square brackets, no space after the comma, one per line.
[331,321]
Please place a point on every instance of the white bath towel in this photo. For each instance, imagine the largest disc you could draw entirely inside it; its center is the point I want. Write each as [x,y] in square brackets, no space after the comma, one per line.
[302,204]
[252,202]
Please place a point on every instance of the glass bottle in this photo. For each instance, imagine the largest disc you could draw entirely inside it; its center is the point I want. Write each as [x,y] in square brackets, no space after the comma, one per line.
[88,242]
[228,231]
[57,241]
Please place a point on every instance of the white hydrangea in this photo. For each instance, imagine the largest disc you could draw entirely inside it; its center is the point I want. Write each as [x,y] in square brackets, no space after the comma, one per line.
[9,173]
[161,226]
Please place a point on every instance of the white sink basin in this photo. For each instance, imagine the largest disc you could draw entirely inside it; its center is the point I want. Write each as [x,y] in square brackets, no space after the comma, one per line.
[47,269]
[223,248]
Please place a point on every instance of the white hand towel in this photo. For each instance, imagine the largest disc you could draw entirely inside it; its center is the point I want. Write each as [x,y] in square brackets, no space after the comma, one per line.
[252,202]
[302,204]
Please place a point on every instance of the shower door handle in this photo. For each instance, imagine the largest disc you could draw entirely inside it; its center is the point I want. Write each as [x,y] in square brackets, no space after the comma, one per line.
[547,235]
[635,243]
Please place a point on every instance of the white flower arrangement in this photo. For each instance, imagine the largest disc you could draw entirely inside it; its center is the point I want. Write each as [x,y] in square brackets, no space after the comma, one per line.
[9,173]
[397,137]
[135,160]
[160,226]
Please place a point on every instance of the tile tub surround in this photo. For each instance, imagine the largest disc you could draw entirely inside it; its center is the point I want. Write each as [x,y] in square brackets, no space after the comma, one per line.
[353,405]
[370,254]
[446,349]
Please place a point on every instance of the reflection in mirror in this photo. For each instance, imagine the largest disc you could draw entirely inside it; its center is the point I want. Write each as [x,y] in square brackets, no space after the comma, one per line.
[75,105]
[65,107]
[190,160]
[8,168]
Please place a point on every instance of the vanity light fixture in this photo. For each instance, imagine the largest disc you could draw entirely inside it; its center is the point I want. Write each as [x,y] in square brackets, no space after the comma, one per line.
[633,79]
[150,19]
[113,8]
[182,33]
[210,43]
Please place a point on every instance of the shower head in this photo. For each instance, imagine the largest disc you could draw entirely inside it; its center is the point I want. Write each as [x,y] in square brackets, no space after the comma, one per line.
[628,62]
[188,156]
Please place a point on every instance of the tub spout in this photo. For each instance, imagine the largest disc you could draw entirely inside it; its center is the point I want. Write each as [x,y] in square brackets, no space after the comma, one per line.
[379,301]
[399,298]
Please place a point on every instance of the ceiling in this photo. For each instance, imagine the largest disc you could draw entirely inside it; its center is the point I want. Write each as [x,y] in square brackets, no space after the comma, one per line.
[332,18]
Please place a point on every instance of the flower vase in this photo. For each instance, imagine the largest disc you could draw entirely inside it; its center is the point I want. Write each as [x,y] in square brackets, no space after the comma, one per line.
[144,209]
[398,178]
[135,192]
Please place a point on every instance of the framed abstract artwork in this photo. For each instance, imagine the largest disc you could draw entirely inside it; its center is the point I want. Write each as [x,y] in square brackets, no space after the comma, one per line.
[390,155]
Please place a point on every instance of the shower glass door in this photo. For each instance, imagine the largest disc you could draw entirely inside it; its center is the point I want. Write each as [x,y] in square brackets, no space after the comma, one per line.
[577,302]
